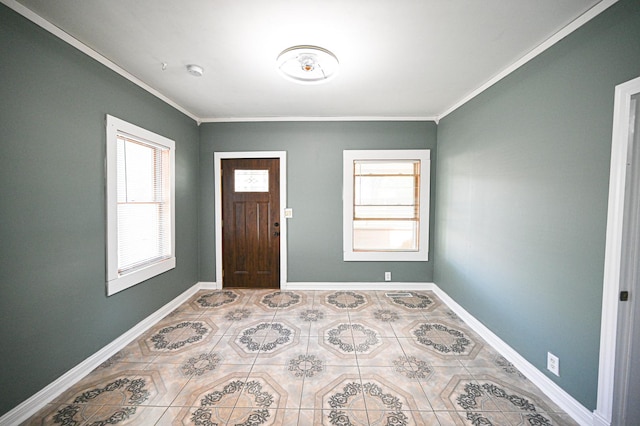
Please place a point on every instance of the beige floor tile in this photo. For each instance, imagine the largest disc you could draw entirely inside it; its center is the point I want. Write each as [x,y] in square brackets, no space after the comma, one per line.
[412,348]
[388,378]
[225,383]
[318,390]
[306,358]
[98,414]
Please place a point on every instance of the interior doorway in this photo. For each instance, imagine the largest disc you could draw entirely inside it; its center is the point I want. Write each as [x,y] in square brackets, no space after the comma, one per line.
[251,231]
[619,375]
[626,410]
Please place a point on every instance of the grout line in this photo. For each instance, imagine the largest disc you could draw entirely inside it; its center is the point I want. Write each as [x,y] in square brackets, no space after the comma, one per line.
[393,340]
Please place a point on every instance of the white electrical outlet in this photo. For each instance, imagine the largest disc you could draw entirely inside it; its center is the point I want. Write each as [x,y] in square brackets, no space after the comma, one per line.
[553,364]
[387,276]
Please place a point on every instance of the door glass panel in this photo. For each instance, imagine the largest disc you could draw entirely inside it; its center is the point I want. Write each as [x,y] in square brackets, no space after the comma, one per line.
[251,180]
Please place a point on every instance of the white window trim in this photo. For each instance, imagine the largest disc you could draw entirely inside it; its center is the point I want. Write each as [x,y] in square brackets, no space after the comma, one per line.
[349,156]
[117,282]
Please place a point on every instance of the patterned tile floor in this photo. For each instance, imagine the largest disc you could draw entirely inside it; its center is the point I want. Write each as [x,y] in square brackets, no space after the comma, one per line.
[343,358]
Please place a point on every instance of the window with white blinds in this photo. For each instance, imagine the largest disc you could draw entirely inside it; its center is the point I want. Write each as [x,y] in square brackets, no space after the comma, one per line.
[140,204]
[386,205]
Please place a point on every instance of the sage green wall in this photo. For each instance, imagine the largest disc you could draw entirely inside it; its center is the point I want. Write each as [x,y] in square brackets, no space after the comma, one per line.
[54,312]
[523,173]
[314,187]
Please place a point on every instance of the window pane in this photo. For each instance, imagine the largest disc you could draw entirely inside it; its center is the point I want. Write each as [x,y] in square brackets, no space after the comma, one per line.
[385,190]
[383,235]
[385,212]
[385,167]
[138,238]
[143,215]
[251,180]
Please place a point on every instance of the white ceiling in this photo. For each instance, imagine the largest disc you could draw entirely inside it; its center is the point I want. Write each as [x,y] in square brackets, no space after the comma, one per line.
[399,59]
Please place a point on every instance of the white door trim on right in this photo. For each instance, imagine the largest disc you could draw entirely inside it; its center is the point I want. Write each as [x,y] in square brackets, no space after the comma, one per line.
[613,250]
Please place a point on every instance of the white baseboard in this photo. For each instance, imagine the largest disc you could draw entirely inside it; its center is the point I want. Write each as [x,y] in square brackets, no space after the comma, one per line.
[599,420]
[34,404]
[565,401]
[209,285]
[387,285]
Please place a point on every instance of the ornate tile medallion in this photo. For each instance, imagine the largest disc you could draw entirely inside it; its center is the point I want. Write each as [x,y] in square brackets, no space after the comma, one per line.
[163,340]
[412,368]
[217,298]
[345,401]
[280,299]
[238,314]
[311,315]
[261,402]
[305,366]
[177,337]
[346,338]
[385,315]
[489,394]
[429,334]
[346,299]
[75,414]
[109,400]
[417,301]
[266,337]
[237,401]
[200,364]
[444,339]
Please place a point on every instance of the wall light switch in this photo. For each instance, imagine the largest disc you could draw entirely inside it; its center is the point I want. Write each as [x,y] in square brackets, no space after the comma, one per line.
[288,213]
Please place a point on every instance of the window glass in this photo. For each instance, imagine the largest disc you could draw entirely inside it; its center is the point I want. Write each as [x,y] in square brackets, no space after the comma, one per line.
[251,180]
[385,206]
[386,195]
[144,218]
[140,204]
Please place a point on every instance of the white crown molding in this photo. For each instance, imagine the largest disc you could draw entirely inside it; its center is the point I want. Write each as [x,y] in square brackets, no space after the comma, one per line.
[285,119]
[564,32]
[66,37]
[34,404]
[56,31]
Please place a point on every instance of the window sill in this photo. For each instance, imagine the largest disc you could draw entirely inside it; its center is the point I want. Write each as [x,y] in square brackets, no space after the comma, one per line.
[123,282]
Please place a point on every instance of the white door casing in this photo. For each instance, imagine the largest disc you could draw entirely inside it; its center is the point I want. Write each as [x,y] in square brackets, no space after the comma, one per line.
[622,121]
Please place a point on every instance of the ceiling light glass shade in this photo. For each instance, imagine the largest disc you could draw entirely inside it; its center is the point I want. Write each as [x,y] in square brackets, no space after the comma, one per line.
[307,64]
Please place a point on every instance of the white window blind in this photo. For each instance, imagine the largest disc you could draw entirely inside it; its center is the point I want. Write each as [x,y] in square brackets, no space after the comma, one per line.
[386,205]
[144,205]
[140,204]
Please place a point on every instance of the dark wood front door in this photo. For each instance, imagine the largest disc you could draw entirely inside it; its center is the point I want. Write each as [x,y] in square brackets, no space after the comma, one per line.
[250,222]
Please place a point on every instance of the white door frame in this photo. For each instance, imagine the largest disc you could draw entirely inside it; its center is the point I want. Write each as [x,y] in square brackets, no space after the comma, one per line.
[613,251]
[217,162]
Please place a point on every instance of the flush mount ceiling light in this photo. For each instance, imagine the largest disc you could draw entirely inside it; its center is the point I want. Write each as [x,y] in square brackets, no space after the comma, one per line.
[195,70]
[307,64]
